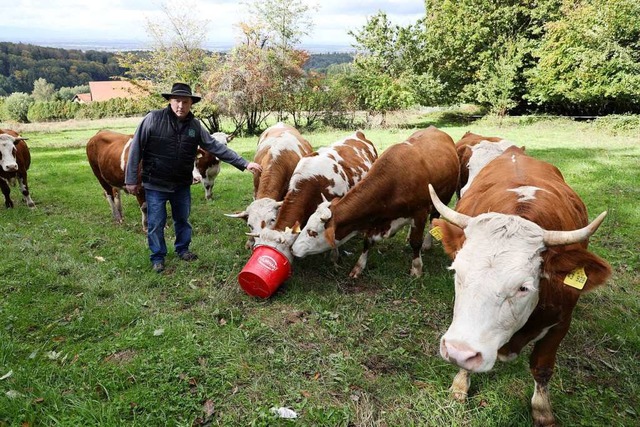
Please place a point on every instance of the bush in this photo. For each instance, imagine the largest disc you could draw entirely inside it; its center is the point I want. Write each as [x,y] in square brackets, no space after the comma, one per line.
[49,111]
[17,106]
[119,107]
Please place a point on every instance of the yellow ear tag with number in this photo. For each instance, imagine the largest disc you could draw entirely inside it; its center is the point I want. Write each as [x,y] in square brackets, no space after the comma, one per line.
[436,232]
[576,279]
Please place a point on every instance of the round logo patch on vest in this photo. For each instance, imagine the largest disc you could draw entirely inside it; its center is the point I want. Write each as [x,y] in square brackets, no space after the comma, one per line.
[192,132]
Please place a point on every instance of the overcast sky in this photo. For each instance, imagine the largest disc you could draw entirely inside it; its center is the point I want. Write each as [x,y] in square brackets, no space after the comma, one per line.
[32,21]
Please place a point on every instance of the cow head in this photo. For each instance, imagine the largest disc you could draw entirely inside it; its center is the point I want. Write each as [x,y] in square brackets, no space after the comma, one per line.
[278,239]
[313,238]
[498,270]
[259,214]
[8,160]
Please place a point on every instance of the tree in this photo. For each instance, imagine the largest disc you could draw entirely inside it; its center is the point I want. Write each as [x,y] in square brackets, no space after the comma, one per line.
[384,75]
[590,59]
[17,105]
[465,41]
[284,23]
[43,91]
[177,52]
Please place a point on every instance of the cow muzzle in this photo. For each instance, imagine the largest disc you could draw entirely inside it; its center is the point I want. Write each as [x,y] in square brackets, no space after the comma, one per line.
[10,167]
[461,354]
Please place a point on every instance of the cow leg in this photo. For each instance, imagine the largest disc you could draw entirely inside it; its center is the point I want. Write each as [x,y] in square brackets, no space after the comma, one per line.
[541,363]
[208,185]
[113,197]
[415,240]
[460,385]
[362,261]
[22,179]
[142,202]
[6,190]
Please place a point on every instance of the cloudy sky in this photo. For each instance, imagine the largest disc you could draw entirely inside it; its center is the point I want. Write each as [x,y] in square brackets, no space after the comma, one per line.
[38,21]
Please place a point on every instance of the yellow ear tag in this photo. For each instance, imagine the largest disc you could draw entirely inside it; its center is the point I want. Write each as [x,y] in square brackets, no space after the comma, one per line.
[576,279]
[436,232]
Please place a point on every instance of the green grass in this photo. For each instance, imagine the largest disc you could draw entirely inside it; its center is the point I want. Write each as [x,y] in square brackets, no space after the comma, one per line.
[93,337]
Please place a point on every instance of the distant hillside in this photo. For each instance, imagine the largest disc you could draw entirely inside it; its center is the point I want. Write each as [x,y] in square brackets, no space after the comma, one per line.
[21,64]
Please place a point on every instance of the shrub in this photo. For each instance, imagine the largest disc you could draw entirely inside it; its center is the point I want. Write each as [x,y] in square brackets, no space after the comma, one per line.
[52,111]
[17,106]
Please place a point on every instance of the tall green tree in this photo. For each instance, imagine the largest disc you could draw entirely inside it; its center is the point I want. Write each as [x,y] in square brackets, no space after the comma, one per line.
[387,57]
[589,60]
[43,91]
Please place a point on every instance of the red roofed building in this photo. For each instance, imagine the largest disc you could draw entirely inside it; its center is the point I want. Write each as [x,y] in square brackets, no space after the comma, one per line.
[103,91]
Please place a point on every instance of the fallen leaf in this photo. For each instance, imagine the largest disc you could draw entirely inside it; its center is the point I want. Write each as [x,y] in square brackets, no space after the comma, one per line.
[208,408]
[158,332]
[7,375]
[99,258]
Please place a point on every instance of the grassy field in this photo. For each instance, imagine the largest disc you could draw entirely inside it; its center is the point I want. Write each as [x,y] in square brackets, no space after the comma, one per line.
[90,336]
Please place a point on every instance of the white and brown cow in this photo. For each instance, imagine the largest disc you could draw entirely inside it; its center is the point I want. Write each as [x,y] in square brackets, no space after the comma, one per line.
[280,148]
[463,147]
[393,194]
[108,152]
[519,243]
[15,160]
[329,172]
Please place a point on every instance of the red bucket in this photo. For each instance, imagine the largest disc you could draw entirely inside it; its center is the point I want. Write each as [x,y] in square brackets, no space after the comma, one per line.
[265,271]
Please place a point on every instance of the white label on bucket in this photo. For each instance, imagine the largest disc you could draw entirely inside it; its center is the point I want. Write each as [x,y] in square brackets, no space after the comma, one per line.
[268,262]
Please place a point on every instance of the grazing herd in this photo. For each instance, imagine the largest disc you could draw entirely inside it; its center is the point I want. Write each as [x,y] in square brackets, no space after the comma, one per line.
[518,235]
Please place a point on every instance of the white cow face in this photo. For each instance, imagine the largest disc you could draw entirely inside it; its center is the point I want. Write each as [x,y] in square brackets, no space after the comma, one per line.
[280,240]
[262,213]
[312,239]
[497,275]
[8,160]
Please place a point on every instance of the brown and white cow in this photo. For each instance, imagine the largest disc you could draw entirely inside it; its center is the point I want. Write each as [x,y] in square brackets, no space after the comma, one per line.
[280,148]
[393,194]
[519,243]
[207,165]
[328,172]
[481,154]
[463,147]
[15,160]
[108,152]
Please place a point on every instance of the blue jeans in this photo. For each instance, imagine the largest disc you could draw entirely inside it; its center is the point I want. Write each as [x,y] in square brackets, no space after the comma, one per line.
[180,201]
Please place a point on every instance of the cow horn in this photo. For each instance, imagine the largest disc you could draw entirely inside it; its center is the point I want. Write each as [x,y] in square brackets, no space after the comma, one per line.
[243,215]
[253,234]
[556,238]
[324,199]
[457,218]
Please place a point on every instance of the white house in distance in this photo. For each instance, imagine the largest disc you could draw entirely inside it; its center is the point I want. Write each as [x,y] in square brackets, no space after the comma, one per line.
[103,91]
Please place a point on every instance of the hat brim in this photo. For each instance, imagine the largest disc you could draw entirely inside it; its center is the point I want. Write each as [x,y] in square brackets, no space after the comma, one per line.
[168,96]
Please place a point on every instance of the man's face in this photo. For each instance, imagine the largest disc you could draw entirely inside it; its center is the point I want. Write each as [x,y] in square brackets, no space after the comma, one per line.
[181,105]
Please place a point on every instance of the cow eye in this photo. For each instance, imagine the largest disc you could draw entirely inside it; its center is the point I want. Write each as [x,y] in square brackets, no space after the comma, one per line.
[523,289]
[312,233]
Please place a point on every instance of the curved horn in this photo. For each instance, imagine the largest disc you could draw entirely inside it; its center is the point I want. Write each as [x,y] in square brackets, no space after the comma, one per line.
[253,234]
[556,238]
[242,215]
[457,218]
[324,199]
[280,203]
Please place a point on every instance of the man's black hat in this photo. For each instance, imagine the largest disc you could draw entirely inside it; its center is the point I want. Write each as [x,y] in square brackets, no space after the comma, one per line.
[181,89]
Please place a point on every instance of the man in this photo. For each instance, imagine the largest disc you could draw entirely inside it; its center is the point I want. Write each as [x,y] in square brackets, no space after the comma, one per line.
[166,142]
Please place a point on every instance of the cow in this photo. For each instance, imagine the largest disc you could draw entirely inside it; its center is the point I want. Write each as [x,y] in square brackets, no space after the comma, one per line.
[463,148]
[518,239]
[330,171]
[15,160]
[393,194]
[108,152]
[280,148]
[481,154]
[207,165]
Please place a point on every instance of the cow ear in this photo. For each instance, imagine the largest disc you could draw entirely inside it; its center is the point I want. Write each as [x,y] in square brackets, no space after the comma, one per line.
[330,234]
[559,264]
[452,237]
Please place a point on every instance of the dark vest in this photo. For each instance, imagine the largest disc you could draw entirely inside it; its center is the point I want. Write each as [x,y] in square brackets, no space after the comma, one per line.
[170,150]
